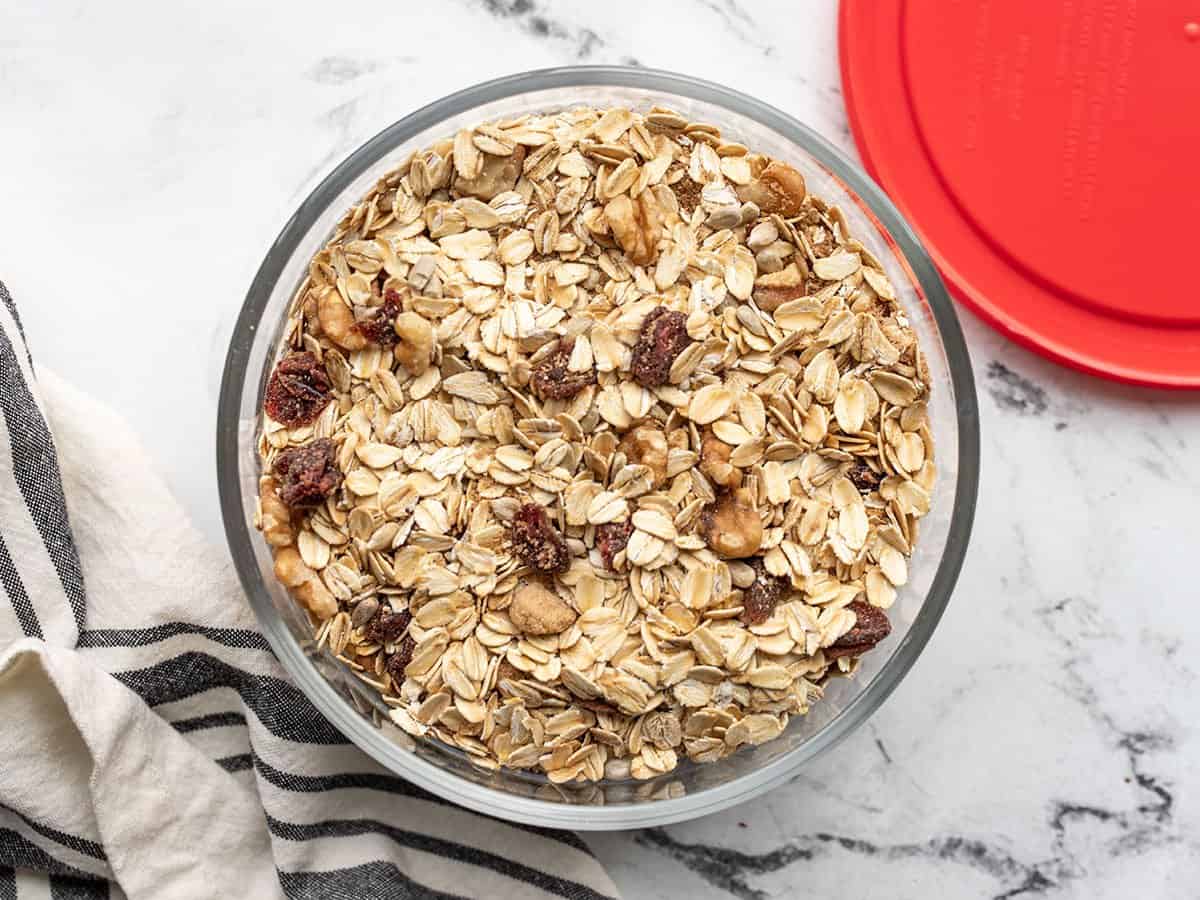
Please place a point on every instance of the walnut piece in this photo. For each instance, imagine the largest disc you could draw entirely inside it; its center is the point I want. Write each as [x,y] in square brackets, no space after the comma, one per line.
[732,526]
[637,224]
[415,345]
[537,610]
[779,188]
[714,462]
[773,290]
[646,445]
[306,587]
[275,519]
[338,322]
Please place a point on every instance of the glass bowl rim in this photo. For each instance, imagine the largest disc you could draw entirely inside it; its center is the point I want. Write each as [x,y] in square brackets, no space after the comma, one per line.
[450,786]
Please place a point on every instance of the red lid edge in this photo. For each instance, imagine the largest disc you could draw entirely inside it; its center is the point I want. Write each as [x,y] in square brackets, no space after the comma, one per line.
[961,289]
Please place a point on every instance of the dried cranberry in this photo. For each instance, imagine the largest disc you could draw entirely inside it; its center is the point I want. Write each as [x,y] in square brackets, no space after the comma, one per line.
[308,474]
[864,477]
[399,660]
[552,380]
[298,390]
[870,627]
[611,539]
[387,627]
[664,336]
[379,328]
[536,542]
[760,599]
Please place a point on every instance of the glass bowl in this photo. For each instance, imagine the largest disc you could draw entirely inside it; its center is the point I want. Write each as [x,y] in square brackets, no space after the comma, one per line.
[691,790]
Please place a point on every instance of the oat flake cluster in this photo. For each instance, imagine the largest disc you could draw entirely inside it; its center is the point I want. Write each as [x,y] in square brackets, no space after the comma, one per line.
[595,442]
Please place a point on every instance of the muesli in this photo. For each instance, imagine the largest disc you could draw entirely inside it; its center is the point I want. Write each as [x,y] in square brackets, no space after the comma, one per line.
[595,441]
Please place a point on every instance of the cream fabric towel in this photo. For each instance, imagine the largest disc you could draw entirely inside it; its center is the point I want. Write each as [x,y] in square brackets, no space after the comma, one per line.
[151,746]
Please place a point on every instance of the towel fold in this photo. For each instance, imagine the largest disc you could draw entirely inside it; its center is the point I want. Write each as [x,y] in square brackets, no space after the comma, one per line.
[152,746]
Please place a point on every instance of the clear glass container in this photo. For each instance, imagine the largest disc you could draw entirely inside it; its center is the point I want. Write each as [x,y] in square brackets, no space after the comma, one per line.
[691,790]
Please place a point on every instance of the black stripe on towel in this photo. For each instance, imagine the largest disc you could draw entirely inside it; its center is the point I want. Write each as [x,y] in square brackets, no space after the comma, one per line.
[563,887]
[391,784]
[63,888]
[35,469]
[377,880]
[141,637]
[72,841]
[10,578]
[238,763]
[280,706]
[11,306]
[21,853]
[212,720]
[8,877]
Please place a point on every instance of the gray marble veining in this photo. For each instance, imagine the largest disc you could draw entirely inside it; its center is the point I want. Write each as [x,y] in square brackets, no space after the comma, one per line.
[1044,744]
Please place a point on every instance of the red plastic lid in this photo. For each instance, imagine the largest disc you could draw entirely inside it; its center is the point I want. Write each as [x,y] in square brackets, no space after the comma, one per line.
[1049,155]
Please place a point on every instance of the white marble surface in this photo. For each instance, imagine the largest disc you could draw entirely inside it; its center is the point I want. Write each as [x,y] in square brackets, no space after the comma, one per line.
[1044,745]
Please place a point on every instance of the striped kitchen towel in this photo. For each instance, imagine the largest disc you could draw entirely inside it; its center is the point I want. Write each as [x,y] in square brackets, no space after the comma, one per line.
[151,746]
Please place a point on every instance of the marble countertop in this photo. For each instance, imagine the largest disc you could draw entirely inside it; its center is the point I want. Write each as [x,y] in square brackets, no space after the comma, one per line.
[1039,748]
